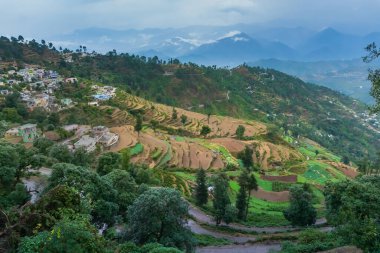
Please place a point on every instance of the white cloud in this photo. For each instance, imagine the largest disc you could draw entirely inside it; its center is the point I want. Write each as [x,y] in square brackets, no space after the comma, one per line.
[46,17]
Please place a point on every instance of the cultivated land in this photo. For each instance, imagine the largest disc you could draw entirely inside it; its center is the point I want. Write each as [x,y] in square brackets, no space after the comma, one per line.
[171,146]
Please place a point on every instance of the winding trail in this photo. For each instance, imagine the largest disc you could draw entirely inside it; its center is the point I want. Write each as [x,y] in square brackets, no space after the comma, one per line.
[256,248]
[202,217]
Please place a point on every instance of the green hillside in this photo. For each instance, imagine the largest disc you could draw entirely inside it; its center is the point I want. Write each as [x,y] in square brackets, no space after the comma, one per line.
[318,113]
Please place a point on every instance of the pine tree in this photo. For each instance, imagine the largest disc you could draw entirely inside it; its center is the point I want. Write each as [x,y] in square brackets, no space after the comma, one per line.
[174,114]
[241,201]
[240,132]
[201,192]
[138,125]
[251,184]
[221,200]
[246,157]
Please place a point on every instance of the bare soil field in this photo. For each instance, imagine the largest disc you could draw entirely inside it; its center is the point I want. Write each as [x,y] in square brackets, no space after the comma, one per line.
[285,179]
[347,170]
[127,137]
[266,154]
[271,196]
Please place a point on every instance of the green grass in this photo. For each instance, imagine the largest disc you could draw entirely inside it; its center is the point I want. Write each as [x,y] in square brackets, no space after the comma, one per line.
[264,213]
[288,139]
[221,150]
[317,172]
[309,150]
[137,149]
[208,240]
[156,154]
[180,138]
[185,175]
[265,185]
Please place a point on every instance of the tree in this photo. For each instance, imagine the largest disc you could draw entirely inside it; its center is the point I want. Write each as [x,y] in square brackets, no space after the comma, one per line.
[346,160]
[125,186]
[154,124]
[241,199]
[125,159]
[247,183]
[301,211]
[230,214]
[251,184]
[374,75]
[183,119]
[247,157]
[54,119]
[240,132]
[354,208]
[81,157]
[66,236]
[138,125]
[201,191]
[43,145]
[205,131]
[221,199]
[61,153]
[174,114]
[159,215]
[108,162]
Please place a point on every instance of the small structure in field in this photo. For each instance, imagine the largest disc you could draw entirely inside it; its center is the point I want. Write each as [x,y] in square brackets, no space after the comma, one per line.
[28,132]
[87,142]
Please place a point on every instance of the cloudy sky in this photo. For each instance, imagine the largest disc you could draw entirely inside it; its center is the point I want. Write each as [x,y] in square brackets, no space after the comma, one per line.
[36,18]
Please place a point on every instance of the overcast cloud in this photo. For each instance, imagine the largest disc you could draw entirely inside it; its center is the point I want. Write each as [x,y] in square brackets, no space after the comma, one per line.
[36,18]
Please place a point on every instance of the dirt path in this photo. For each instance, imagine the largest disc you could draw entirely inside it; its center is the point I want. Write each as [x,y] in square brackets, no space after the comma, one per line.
[255,248]
[238,239]
[202,217]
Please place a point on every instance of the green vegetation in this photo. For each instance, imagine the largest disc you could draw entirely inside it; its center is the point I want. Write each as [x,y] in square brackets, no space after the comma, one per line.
[301,211]
[201,191]
[137,149]
[208,240]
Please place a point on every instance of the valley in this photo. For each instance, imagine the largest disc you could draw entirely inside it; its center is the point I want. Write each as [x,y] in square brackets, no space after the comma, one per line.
[101,139]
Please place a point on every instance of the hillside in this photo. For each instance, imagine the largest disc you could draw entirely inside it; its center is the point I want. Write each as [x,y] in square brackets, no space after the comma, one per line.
[333,120]
[105,147]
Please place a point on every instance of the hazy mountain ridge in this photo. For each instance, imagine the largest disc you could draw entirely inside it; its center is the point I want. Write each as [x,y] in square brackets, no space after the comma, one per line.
[327,44]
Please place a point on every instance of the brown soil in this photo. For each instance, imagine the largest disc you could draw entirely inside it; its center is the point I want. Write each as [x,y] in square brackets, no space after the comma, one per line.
[232,145]
[267,154]
[347,170]
[127,137]
[220,126]
[285,179]
[271,196]
[52,135]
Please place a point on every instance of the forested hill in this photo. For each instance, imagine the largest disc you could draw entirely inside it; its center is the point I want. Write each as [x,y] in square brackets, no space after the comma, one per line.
[330,118]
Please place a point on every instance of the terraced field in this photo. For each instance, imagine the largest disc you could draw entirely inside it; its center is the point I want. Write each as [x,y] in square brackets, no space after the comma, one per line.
[220,126]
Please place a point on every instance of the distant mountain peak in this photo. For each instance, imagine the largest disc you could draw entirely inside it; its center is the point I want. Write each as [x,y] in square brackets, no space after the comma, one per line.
[329,31]
[236,36]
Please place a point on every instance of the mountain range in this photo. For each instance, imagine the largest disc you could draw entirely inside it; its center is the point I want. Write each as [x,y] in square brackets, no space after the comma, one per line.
[327,57]
[225,45]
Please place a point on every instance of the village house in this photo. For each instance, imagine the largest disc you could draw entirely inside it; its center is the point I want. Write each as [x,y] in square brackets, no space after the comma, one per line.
[28,132]
[71,128]
[71,80]
[94,103]
[108,139]
[87,142]
[66,102]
